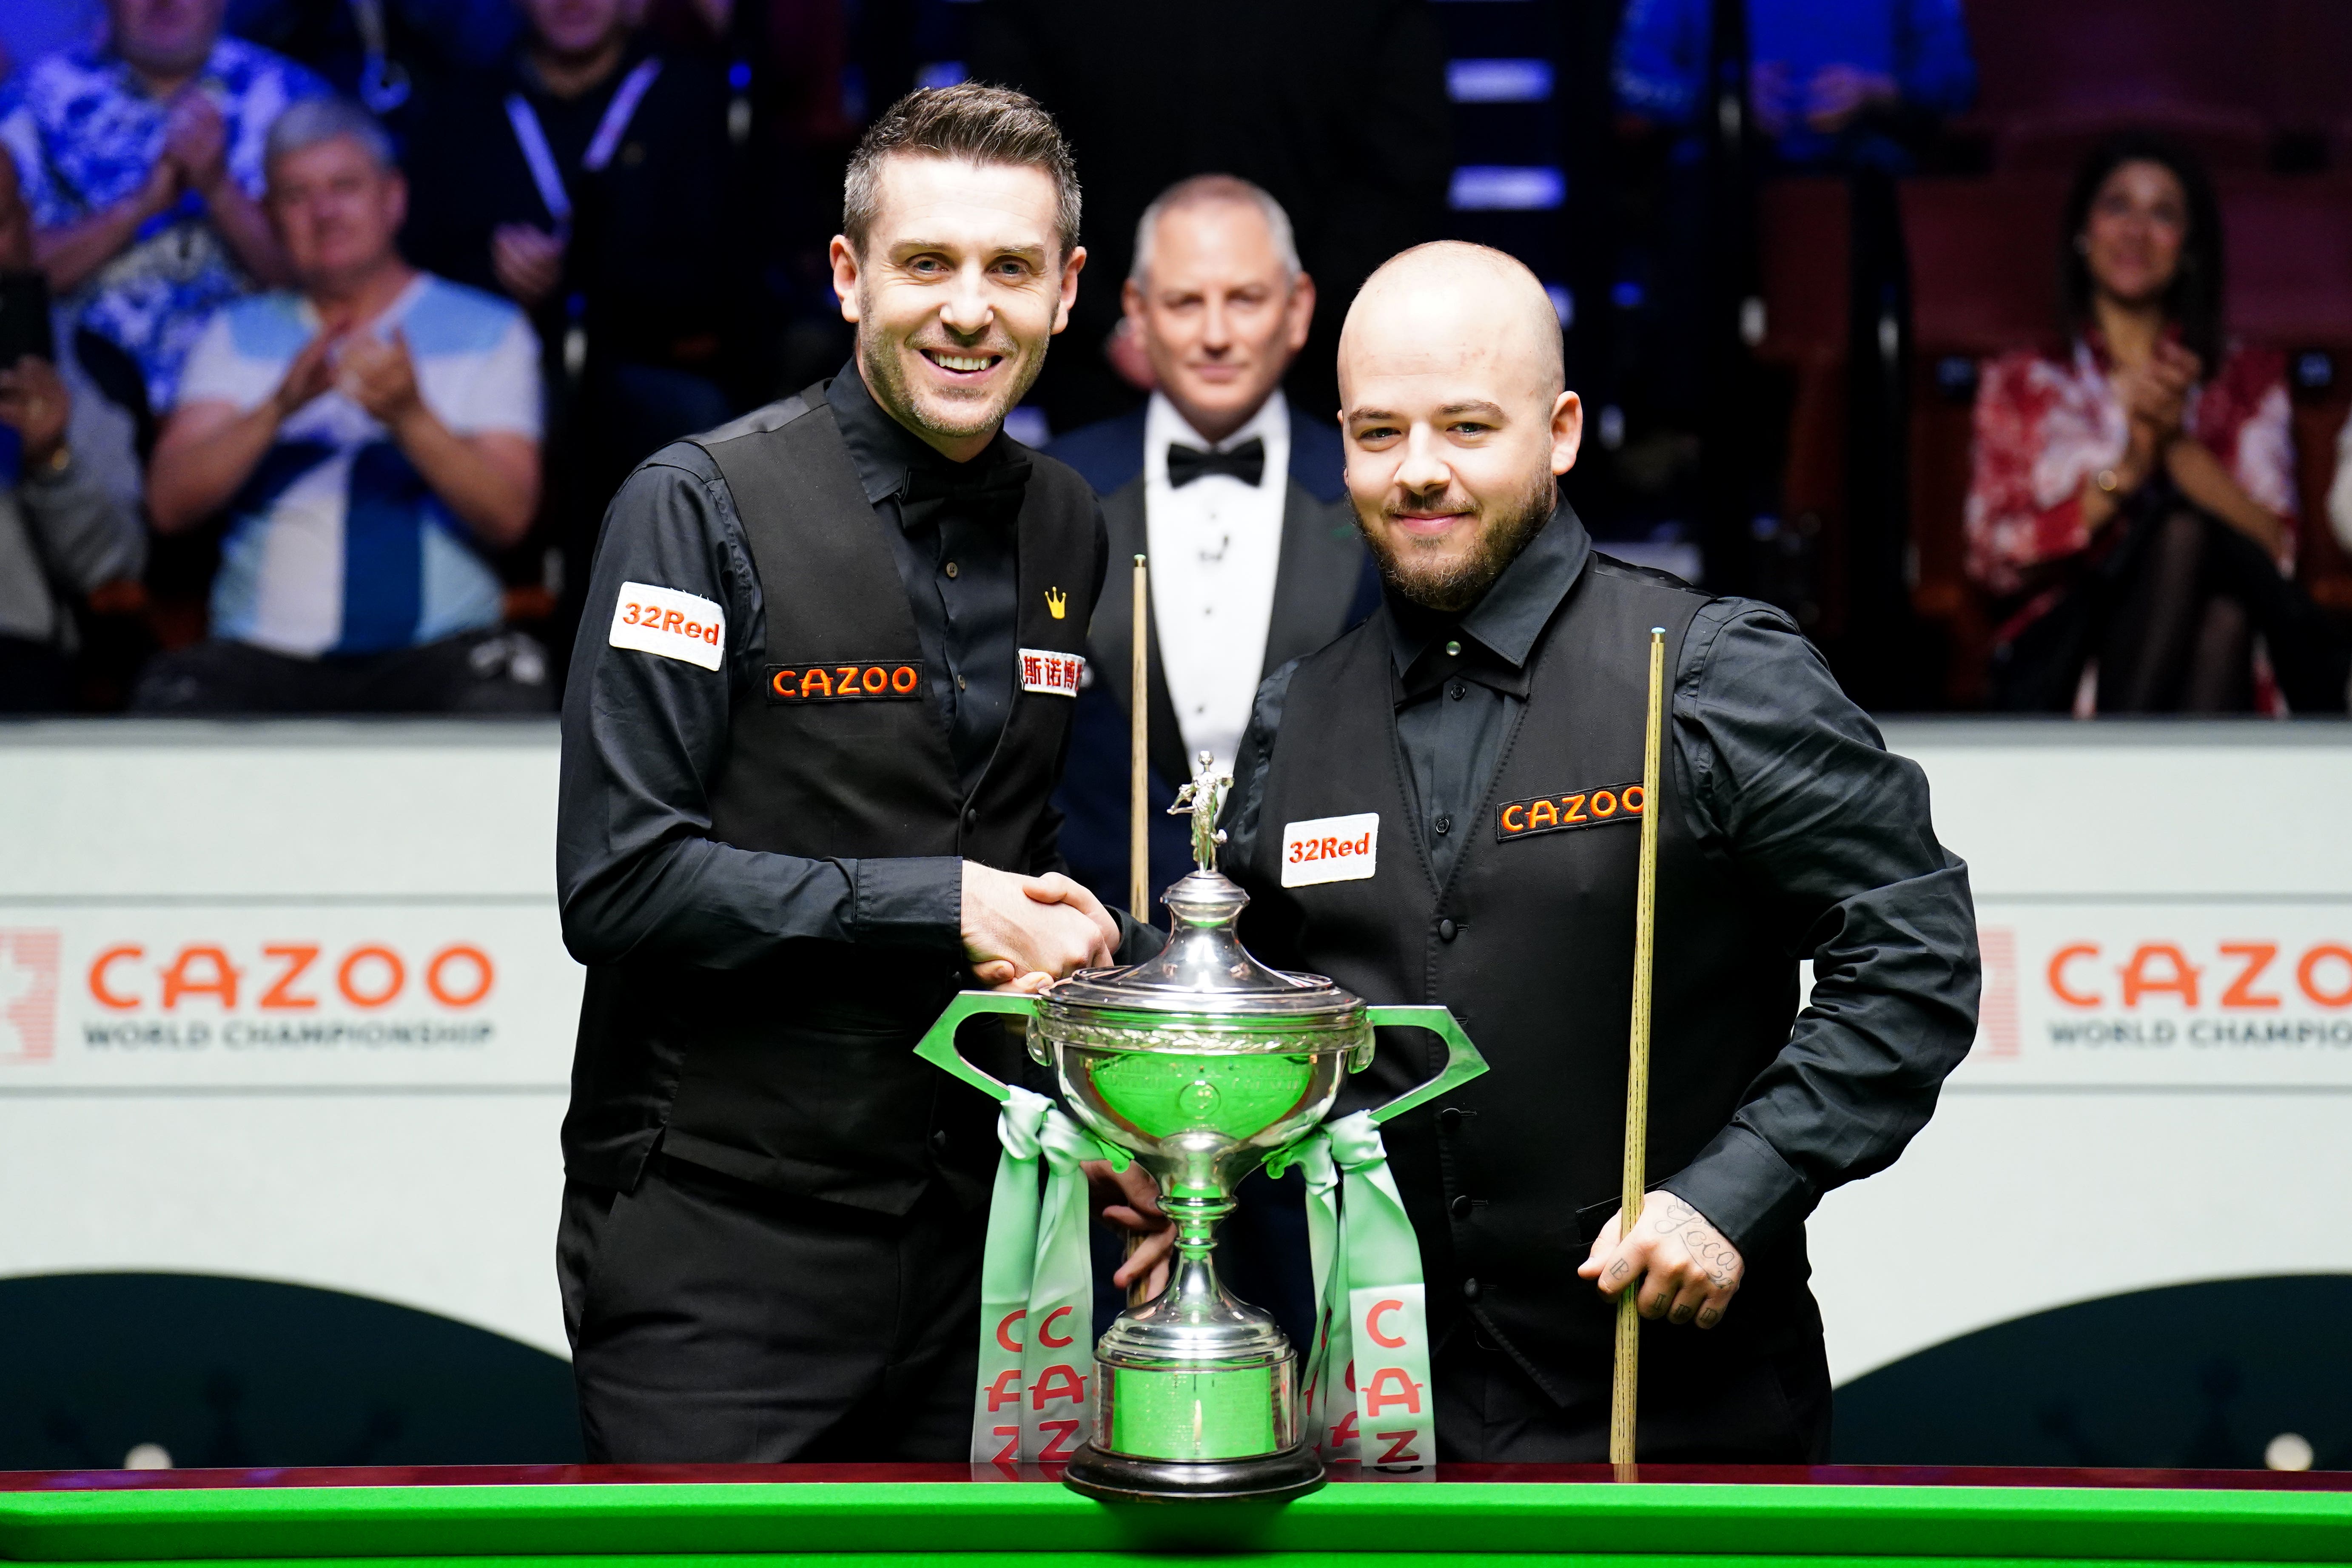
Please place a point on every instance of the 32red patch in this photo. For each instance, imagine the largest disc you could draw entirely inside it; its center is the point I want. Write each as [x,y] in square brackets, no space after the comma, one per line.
[857,680]
[1558,813]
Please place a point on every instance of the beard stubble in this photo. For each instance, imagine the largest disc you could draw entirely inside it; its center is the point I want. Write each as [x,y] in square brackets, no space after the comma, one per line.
[1452,586]
[886,379]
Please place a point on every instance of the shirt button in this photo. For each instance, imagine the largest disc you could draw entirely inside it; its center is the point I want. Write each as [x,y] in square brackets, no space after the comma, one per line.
[1459,1208]
[1458,690]
[1449,1121]
[952,568]
[1445,825]
[1453,649]
[1447,930]
[1470,1289]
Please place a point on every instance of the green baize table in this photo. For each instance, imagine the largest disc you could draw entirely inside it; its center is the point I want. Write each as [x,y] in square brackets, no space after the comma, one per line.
[573,1516]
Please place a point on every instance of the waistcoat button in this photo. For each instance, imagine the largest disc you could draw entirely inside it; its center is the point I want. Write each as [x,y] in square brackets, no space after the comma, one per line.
[1469,1289]
[1460,1207]
[971,822]
[939,1140]
[951,569]
[1447,930]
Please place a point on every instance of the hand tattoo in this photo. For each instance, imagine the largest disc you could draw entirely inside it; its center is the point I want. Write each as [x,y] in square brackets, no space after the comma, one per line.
[1716,1258]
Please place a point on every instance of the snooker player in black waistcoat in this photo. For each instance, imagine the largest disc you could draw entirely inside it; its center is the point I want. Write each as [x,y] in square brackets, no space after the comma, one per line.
[813,725]
[1479,742]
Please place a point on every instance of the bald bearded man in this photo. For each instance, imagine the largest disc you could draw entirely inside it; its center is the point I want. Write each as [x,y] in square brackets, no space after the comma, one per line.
[1481,734]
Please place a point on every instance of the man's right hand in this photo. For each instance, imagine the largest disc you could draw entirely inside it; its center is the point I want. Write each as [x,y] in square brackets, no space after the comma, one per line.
[1017,926]
[1128,1202]
[527,261]
[195,138]
[311,373]
[157,192]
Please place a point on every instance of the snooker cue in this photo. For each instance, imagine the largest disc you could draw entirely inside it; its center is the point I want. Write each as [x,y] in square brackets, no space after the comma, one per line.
[1626,1381]
[1139,846]
[1138,832]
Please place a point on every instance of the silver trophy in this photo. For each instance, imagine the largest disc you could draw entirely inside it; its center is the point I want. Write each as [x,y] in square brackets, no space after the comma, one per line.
[1201,1062]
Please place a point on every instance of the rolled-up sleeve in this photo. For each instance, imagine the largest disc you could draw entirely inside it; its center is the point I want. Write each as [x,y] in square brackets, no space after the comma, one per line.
[644,740]
[1791,781]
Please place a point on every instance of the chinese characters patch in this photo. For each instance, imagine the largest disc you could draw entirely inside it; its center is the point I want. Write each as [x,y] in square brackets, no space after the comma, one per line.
[1056,674]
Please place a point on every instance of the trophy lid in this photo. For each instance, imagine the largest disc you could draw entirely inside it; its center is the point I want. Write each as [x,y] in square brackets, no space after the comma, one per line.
[1205,968]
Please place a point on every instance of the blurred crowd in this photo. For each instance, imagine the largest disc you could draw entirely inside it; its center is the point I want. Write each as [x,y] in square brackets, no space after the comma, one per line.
[329,327]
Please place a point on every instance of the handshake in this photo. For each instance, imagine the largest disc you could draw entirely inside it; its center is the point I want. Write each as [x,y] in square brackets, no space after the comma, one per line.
[1020,933]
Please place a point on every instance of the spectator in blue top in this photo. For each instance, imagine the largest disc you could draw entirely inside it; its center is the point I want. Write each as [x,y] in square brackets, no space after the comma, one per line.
[1831,83]
[141,161]
[372,435]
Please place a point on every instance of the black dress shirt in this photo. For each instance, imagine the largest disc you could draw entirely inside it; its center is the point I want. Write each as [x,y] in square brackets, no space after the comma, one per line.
[645,737]
[1790,779]
[952,535]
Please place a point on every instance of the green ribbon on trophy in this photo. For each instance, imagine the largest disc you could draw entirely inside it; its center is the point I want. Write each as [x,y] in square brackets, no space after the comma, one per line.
[1037,1289]
[1375,1407]
[1037,1296]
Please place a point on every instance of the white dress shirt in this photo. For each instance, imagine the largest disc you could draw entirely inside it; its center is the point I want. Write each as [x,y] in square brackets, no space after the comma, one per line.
[1215,546]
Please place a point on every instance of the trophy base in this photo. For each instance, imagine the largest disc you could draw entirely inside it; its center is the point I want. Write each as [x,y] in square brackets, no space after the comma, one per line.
[1122,1478]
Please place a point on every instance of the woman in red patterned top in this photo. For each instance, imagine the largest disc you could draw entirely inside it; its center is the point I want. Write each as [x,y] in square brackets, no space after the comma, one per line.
[2132,503]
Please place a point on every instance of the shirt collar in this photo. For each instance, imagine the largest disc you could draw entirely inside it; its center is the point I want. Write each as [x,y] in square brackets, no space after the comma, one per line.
[1506,623]
[1162,424]
[883,450]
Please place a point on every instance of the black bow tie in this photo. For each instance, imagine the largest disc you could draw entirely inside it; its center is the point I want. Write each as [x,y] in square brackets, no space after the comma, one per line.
[984,492]
[1245,462]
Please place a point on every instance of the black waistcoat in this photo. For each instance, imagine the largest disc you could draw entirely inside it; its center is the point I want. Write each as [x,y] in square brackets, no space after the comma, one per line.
[1531,944]
[798,1073]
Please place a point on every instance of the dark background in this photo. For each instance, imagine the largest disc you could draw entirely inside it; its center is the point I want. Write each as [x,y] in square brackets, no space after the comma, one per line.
[240,1372]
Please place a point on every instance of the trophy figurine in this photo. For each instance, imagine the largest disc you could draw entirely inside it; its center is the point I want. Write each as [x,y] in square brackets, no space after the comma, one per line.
[1201,1062]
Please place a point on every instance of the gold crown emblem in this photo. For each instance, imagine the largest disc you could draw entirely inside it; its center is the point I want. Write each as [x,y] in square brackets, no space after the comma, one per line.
[1057,601]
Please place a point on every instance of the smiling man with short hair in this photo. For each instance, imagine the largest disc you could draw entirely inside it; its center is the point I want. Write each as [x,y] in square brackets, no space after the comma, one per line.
[816,712]
[1491,718]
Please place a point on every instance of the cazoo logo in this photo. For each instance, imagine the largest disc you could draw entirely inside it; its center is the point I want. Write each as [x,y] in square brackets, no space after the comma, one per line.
[2251,976]
[287,977]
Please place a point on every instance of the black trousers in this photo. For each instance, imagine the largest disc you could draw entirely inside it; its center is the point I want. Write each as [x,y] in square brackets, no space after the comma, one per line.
[473,672]
[717,1323]
[1489,1411]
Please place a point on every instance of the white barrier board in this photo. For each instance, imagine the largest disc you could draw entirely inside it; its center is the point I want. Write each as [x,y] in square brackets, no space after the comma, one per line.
[286,1001]
[289,1002]
[2164,1059]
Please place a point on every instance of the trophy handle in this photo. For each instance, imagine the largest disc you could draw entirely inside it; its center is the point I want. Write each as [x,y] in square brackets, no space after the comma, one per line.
[1463,1061]
[938,1044]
